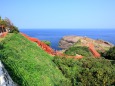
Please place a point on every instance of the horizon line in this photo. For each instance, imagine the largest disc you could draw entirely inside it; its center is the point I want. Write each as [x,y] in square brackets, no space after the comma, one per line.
[66,28]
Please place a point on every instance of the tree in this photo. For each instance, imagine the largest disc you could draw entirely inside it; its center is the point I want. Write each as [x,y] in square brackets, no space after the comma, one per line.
[0,18]
[110,54]
[8,22]
[14,29]
[8,25]
[3,22]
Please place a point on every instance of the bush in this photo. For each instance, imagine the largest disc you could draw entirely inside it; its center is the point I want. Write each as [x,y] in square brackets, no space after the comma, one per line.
[47,42]
[110,54]
[84,51]
[14,29]
[87,71]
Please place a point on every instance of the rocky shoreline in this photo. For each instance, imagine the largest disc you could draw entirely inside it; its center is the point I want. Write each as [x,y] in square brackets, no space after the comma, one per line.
[68,41]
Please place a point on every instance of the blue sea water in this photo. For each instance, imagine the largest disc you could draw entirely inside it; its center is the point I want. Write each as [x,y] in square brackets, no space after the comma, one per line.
[54,35]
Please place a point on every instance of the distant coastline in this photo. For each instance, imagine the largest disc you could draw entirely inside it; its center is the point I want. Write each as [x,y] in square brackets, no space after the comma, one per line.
[54,35]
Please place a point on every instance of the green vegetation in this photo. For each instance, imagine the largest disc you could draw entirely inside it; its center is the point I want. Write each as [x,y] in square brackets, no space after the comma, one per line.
[8,25]
[81,50]
[110,54]
[87,71]
[47,42]
[78,43]
[28,64]
[14,29]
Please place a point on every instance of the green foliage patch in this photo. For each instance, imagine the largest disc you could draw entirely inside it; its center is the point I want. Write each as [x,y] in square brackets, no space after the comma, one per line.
[110,54]
[47,42]
[81,50]
[14,29]
[87,71]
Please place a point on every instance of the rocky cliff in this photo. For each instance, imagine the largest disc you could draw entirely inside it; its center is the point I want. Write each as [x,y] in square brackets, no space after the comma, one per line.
[68,41]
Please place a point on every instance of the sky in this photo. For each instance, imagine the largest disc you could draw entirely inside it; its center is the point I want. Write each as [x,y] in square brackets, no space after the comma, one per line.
[59,13]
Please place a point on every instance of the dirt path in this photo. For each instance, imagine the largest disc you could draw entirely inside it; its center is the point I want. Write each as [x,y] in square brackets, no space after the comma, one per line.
[93,51]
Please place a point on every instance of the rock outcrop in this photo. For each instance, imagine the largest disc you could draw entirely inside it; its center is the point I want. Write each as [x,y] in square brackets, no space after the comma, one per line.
[68,41]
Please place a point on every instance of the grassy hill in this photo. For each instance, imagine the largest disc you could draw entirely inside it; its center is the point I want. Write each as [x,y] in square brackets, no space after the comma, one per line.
[28,64]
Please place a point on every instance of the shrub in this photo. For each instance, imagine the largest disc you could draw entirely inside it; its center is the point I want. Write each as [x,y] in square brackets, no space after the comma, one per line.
[14,29]
[84,51]
[110,54]
[47,42]
[87,71]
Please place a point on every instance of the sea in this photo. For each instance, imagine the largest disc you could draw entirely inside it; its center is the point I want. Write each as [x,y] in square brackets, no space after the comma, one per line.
[55,35]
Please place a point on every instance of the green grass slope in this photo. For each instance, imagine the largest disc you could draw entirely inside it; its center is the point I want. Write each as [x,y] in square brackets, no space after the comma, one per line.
[28,64]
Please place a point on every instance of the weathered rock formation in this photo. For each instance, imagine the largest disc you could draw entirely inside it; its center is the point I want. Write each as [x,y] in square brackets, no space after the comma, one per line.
[68,41]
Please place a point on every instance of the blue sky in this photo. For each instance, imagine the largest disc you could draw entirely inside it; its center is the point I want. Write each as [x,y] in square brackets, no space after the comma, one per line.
[59,13]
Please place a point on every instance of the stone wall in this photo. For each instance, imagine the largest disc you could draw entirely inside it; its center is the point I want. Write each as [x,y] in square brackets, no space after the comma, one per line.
[5,79]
